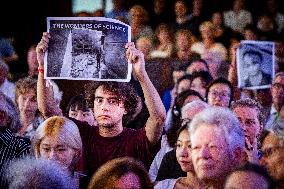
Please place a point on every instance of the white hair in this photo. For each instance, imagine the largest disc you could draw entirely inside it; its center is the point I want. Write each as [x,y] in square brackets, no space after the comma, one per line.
[37,173]
[194,105]
[224,119]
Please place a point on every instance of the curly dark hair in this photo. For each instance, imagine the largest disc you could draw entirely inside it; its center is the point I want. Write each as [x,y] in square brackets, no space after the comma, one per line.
[124,91]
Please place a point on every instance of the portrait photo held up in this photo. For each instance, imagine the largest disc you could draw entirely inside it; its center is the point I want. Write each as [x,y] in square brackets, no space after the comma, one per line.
[255,64]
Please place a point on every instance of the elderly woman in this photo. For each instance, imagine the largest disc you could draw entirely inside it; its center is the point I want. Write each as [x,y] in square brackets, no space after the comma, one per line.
[26,100]
[58,139]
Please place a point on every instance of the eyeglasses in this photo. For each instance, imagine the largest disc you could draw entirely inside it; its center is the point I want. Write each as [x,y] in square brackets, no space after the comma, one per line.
[278,86]
[222,94]
[269,151]
[111,101]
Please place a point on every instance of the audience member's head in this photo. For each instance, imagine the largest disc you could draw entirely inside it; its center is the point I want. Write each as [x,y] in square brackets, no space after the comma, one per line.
[58,139]
[200,81]
[277,91]
[272,147]
[189,110]
[26,95]
[218,144]
[249,113]
[220,92]
[121,173]
[78,109]
[183,149]
[183,83]
[122,96]
[37,173]
[197,66]
[9,115]
[250,176]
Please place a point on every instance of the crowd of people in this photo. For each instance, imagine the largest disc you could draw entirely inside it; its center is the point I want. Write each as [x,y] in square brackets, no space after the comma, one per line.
[201,132]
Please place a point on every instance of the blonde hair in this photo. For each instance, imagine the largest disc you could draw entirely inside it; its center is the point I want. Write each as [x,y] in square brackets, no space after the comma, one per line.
[137,8]
[63,128]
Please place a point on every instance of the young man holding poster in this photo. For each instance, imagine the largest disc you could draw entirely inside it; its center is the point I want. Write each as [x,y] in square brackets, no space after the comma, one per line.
[113,102]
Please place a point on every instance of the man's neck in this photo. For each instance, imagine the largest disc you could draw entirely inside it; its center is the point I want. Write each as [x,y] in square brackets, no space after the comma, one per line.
[110,131]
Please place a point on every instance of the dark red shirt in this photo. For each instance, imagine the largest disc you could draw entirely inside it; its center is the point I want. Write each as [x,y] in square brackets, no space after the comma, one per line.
[97,150]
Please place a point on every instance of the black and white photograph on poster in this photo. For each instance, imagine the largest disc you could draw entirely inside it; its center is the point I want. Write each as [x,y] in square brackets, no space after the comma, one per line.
[87,48]
[255,64]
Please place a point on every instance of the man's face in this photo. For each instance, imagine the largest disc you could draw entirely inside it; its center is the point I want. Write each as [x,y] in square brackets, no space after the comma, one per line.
[252,64]
[249,122]
[27,102]
[108,109]
[219,95]
[277,90]
[246,179]
[273,157]
[211,155]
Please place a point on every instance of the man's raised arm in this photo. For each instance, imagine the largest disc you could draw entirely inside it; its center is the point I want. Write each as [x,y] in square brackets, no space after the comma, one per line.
[156,120]
[45,100]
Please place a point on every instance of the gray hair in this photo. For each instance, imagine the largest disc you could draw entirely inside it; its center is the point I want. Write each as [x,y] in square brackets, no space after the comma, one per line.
[194,105]
[37,173]
[63,128]
[9,107]
[224,119]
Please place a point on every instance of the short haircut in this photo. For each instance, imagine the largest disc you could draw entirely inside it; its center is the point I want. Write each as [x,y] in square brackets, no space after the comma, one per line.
[10,109]
[278,74]
[224,81]
[107,175]
[204,75]
[77,102]
[248,102]
[257,169]
[37,173]
[194,60]
[140,8]
[184,77]
[123,91]
[224,119]
[253,52]
[63,128]
[24,85]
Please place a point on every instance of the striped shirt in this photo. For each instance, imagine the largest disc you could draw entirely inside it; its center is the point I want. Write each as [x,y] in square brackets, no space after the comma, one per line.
[11,147]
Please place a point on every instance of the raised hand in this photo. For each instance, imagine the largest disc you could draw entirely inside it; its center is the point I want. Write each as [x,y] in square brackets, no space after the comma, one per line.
[136,58]
[42,47]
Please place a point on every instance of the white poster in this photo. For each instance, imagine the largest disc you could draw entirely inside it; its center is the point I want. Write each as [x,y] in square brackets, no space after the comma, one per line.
[255,64]
[87,48]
